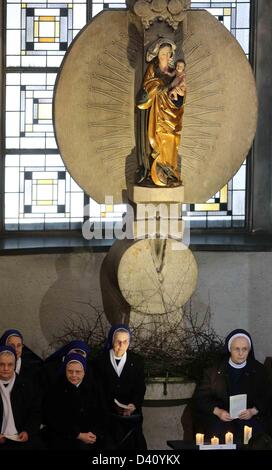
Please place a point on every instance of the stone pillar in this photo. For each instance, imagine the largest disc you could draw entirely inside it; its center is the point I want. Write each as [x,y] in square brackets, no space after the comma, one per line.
[260,181]
[164,405]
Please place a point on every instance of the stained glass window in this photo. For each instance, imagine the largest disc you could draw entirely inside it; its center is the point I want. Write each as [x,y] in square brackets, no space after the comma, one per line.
[39,32]
[29,110]
[234,15]
[227,208]
[40,193]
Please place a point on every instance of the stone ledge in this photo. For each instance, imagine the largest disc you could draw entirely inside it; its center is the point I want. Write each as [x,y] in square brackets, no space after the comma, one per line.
[67,242]
[142,194]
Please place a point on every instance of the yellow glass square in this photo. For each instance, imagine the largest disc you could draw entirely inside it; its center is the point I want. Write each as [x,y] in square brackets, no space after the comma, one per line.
[207,207]
[47,18]
[224,194]
[46,182]
[45,111]
[47,40]
[36,29]
[45,203]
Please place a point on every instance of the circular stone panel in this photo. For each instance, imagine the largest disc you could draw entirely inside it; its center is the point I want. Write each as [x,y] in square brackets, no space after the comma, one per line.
[157,276]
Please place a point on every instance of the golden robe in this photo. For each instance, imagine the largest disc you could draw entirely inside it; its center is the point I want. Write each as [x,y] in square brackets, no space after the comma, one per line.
[164,128]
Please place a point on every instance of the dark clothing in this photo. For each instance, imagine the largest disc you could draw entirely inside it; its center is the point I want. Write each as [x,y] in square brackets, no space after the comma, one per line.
[31,367]
[52,370]
[70,410]
[128,388]
[218,384]
[75,345]
[234,376]
[26,407]
[124,432]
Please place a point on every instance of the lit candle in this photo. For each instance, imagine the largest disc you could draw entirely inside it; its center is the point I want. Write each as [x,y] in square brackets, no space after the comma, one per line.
[199,439]
[228,438]
[215,441]
[247,434]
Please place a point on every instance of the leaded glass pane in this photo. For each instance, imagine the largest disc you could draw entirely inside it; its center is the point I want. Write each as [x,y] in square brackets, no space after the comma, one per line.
[38,192]
[39,32]
[29,110]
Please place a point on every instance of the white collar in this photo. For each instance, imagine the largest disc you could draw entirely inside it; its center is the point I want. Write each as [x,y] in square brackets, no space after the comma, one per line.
[122,360]
[237,366]
[5,382]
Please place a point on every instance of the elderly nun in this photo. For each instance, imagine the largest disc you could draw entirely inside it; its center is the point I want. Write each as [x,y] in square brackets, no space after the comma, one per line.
[237,373]
[120,377]
[20,415]
[72,410]
[53,364]
[28,364]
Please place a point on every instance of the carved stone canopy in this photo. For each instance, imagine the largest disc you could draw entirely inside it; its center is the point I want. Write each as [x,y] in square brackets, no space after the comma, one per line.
[150,11]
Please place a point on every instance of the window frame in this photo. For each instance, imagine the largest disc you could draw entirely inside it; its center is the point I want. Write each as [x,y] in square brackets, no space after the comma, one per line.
[249,227]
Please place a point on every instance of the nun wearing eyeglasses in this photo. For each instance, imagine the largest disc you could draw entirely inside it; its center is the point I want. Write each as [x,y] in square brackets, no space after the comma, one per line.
[28,364]
[238,373]
[120,376]
[71,408]
[20,411]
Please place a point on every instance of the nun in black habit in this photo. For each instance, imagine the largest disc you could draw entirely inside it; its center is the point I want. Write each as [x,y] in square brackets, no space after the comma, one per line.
[237,373]
[119,374]
[72,410]
[28,364]
[20,407]
[53,364]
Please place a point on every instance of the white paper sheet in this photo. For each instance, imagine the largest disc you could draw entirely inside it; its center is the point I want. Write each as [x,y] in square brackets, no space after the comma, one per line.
[238,403]
[12,437]
[121,405]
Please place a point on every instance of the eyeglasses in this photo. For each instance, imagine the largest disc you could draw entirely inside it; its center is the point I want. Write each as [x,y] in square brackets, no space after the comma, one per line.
[120,342]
